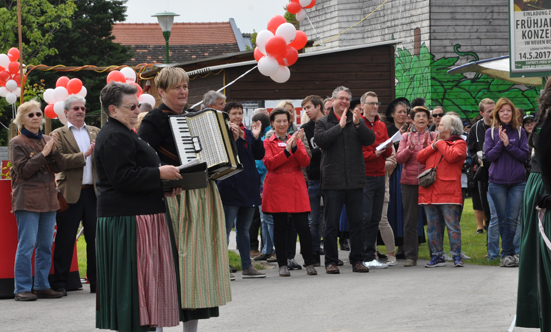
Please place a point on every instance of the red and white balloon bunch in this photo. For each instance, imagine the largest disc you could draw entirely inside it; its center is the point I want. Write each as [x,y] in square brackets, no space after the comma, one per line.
[277,48]
[10,78]
[297,7]
[128,75]
[64,87]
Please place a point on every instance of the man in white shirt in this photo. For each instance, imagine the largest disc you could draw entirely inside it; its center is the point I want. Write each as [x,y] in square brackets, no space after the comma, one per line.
[77,184]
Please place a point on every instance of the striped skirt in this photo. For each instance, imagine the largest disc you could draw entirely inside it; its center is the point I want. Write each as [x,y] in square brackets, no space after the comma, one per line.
[137,286]
[199,227]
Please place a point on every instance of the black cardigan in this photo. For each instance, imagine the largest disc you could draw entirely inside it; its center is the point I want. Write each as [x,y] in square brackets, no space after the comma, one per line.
[128,178]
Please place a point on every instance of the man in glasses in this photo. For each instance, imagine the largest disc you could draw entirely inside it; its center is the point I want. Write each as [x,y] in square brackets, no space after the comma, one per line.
[437,114]
[77,184]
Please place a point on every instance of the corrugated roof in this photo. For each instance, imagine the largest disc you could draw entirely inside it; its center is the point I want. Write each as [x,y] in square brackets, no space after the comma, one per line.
[181,33]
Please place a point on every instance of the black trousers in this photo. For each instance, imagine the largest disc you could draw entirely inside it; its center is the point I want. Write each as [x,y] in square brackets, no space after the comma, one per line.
[281,225]
[253,230]
[67,227]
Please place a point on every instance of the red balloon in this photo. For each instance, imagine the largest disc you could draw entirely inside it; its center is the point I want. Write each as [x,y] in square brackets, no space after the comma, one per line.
[300,40]
[13,67]
[4,75]
[140,91]
[2,83]
[288,58]
[257,54]
[275,46]
[312,4]
[62,81]
[294,7]
[116,76]
[49,111]
[13,54]
[17,78]
[74,86]
[275,22]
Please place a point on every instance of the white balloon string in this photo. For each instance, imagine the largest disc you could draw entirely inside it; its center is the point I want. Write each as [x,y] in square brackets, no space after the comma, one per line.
[13,111]
[222,88]
[308,17]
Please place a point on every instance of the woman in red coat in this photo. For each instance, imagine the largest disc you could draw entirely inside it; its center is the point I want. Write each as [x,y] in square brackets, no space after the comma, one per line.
[444,198]
[285,189]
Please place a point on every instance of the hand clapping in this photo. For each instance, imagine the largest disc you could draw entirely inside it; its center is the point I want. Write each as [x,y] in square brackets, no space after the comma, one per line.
[503,136]
[50,145]
[256,128]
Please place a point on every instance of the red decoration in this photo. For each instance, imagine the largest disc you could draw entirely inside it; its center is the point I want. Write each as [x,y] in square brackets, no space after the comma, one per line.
[312,4]
[116,76]
[49,111]
[300,40]
[294,7]
[62,81]
[74,86]
[275,22]
[288,58]
[257,54]
[275,46]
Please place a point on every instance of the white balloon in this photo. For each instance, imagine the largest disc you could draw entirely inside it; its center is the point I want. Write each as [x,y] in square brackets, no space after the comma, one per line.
[129,73]
[4,61]
[3,92]
[58,109]
[17,92]
[301,15]
[305,3]
[261,39]
[62,118]
[83,92]
[287,31]
[60,94]
[268,66]
[11,85]
[49,96]
[11,98]
[147,98]
[283,74]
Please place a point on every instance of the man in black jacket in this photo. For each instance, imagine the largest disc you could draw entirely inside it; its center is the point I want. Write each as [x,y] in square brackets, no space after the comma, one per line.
[340,135]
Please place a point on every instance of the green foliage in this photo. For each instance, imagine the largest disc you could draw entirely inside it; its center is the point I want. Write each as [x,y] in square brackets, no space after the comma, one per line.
[422,76]
[291,18]
[40,21]
[6,171]
[253,40]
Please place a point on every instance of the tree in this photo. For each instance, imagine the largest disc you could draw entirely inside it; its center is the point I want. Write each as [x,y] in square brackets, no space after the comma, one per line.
[40,21]
[89,41]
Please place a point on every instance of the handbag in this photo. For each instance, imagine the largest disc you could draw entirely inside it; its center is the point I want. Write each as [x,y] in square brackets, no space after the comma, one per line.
[428,177]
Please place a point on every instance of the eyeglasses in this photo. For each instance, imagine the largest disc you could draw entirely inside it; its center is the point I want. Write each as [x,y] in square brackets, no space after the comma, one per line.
[38,114]
[374,103]
[76,108]
[132,108]
[439,115]
[343,99]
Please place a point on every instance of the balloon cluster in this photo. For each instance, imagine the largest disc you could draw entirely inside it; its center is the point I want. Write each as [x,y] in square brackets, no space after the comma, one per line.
[277,48]
[64,87]
[10,78]
[128,75]
[297,7]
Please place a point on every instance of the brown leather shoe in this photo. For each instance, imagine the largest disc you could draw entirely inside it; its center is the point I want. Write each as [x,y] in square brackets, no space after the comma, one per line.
[359,267]
[332,269]
[47,294]
[25,296]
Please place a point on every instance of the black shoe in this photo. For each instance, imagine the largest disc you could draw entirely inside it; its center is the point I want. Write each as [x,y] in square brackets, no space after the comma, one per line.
[317,260]
[381,255]
[292,265]
[480,231]
[400,256]
[339,262]
[92,288]
[232,270]
[261,257]
[345,246]
[61,290]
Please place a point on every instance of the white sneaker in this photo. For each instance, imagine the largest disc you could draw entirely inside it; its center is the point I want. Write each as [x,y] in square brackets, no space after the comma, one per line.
[446,257]
[391,261]
[375,264]
[464,256]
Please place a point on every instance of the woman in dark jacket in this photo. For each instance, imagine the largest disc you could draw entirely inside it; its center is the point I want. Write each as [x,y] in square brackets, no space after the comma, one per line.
[34,158]
[137,286]
[506,147]
[241,193]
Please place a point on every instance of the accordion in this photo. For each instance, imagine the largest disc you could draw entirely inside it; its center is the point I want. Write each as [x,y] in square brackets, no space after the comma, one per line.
[206,135]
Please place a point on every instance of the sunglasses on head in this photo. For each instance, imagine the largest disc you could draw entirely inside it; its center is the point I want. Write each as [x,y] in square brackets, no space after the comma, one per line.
[76,108]
[38,114]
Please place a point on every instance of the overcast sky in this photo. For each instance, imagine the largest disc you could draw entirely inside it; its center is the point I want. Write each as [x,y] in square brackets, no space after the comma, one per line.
[248,14]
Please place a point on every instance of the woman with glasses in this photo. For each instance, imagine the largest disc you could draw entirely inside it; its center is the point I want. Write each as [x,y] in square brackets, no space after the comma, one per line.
[136,276]
[35,159]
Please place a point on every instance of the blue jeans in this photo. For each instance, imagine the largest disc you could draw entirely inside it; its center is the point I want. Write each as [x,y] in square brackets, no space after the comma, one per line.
[34,229]
[507,201]
[267,222]
[243,217]
[439,215]
[374,196]
[315,194]
[493,231]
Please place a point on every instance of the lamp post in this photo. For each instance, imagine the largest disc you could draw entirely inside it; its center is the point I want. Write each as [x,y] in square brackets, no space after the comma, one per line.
[166,19]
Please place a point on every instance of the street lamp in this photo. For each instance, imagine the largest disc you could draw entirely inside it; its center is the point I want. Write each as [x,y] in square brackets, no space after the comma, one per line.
[165,21]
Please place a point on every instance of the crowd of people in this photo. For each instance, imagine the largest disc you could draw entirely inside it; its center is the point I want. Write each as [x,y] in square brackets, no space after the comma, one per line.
[346,175]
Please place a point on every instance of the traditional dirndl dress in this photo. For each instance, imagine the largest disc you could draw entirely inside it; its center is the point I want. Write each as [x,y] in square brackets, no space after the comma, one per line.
[197,218]
[137,288]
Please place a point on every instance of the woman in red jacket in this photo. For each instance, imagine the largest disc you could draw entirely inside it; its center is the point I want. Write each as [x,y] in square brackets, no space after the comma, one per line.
[285,189]
[443,199]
